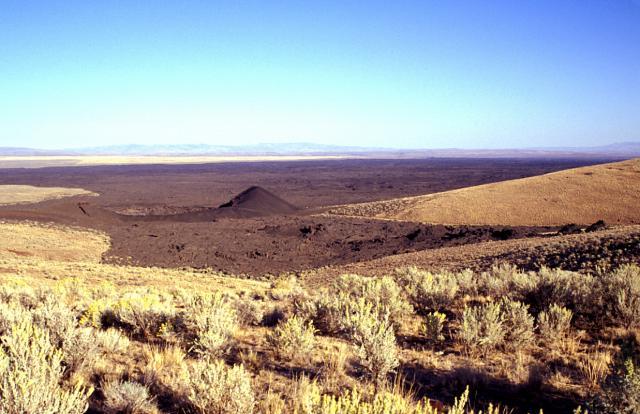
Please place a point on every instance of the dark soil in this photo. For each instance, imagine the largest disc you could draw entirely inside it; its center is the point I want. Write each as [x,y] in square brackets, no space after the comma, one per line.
[257,218]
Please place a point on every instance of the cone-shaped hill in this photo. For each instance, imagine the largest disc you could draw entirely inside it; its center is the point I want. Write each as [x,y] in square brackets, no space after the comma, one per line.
[258,201]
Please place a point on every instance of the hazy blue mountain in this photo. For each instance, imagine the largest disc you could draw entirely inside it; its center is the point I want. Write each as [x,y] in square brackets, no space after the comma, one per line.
[295,148]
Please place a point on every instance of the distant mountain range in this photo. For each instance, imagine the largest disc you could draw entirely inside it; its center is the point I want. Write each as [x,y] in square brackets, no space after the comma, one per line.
[620,150]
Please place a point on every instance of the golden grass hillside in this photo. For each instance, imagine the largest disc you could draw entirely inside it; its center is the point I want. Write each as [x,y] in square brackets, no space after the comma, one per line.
[609,192]
[23,194]
[51,242]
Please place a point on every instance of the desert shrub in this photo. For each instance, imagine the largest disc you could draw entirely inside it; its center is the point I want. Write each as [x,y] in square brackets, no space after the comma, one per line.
[309,400]
[112,341]
[10,314]
[620,393]
[56,318]
[482,328]
[518,324]
[502,280]
[428,291]
[20,293]
[81,350]
[382,292]
[293,339]
[31,375]
[433,326]
[127,397]
[305,306]
[142,314]
[374,340]
[249,312]
[328,311]
[621,295]
[306,396]
[348,293]
[332,309]
[283,287]
[568,289]
[215,322]
[214,388]
[467,281]
[554,323]
[271,403]
[94,313]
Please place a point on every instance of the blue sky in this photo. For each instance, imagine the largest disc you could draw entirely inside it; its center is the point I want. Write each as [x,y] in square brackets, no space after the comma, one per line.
[421,74]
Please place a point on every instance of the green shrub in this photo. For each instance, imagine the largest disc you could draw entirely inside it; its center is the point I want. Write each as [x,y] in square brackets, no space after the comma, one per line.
[81,350]
[293,339]
[142,314]
[518,324]
[215,322]
[621,295]
[554,323]
[428,291]
[433,326]
[374,339]
[568,289]
[501,280]
[31,375]
[213,388]
[57,319]
[383,293]
[482,328]
[331,309]
[621,392]
[127,397]
[112,341]
[10,314]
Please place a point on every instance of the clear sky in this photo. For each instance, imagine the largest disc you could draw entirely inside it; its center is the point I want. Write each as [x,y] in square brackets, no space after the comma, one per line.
[427,74]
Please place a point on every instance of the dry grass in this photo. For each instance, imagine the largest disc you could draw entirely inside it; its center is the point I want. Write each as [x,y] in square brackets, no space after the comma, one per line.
[584,195]
[341,364]
[24,194]
[40,272]
[51,242]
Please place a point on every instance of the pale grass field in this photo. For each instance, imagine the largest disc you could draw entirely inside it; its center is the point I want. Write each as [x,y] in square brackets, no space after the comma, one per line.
[51,242]
[64,160]
[609,192]
[24,194]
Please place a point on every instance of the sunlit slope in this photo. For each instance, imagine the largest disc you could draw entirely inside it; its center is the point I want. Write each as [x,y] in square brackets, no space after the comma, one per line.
[23,194]
[609,192]
[51,242]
